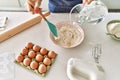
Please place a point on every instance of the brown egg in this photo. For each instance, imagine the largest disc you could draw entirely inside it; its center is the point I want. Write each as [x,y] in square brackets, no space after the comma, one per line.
[39,58]
[34,65]
[42,68]
[47,61]
[29,45]
[19,58]
[51,54]
[27,61]
[24,51]
[43,51]
[36,48]
[31,54]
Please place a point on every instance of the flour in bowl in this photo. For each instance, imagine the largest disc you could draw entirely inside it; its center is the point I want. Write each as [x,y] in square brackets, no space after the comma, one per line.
[68,36]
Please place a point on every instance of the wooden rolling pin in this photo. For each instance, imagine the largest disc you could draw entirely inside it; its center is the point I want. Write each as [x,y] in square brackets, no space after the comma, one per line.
[20,27]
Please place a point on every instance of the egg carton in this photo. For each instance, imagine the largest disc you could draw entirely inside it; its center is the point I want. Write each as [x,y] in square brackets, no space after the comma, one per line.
[36,59]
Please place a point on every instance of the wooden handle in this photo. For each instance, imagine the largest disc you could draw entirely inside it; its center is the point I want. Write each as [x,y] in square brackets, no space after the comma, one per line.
[20,27]
[43,16]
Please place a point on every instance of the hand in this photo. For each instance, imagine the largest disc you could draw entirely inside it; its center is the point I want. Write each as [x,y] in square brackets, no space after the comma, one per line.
[32,4]
[87,1]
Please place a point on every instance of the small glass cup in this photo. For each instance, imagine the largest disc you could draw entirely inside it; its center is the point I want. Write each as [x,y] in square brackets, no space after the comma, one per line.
[93,13]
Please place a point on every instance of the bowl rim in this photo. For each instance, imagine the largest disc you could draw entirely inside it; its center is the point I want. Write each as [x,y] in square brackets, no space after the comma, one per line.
[79,29]
[108,27]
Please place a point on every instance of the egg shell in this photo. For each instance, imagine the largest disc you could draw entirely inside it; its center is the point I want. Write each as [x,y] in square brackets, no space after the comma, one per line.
[47,61]
[43,51]
[51,54]
[29,45]
[42,68]
[19,58]
[27,61]
[39,58]
[31,54]
[36,60]
[36,48]
[24,51]
[34,65]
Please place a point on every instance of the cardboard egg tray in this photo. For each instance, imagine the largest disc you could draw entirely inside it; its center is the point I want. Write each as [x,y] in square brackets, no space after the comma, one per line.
[36,59]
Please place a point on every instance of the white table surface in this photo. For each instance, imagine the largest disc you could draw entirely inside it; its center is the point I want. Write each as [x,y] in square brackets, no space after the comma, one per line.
[39,34]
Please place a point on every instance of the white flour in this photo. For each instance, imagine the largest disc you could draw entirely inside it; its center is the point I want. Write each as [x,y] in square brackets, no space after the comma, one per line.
[68,36]
[115,29]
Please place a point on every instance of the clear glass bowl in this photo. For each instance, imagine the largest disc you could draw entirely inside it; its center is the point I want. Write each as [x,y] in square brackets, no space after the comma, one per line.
[93,13]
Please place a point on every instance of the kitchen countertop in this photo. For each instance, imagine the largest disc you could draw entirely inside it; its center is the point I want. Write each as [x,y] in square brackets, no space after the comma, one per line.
[39,34]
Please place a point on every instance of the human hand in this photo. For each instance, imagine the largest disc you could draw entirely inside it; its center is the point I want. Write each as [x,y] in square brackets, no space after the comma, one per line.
[87,1]
[31,5]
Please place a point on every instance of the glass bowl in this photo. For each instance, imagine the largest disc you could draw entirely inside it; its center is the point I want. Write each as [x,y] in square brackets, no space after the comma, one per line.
[92,13]
[70,34]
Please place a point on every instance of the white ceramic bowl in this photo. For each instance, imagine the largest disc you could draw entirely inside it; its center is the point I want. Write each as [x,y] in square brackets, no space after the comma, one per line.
[113,29]
[70,34]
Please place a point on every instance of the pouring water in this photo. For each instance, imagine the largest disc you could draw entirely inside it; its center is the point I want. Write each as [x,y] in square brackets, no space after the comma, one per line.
[93,13]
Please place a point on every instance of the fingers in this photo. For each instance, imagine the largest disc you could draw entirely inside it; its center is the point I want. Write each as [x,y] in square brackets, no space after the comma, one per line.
[87,1]
[84,1]
[32,4]
[29,7]
[37,3]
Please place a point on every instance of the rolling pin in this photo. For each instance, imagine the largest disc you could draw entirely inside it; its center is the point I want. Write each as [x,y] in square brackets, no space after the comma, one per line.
[20,27]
